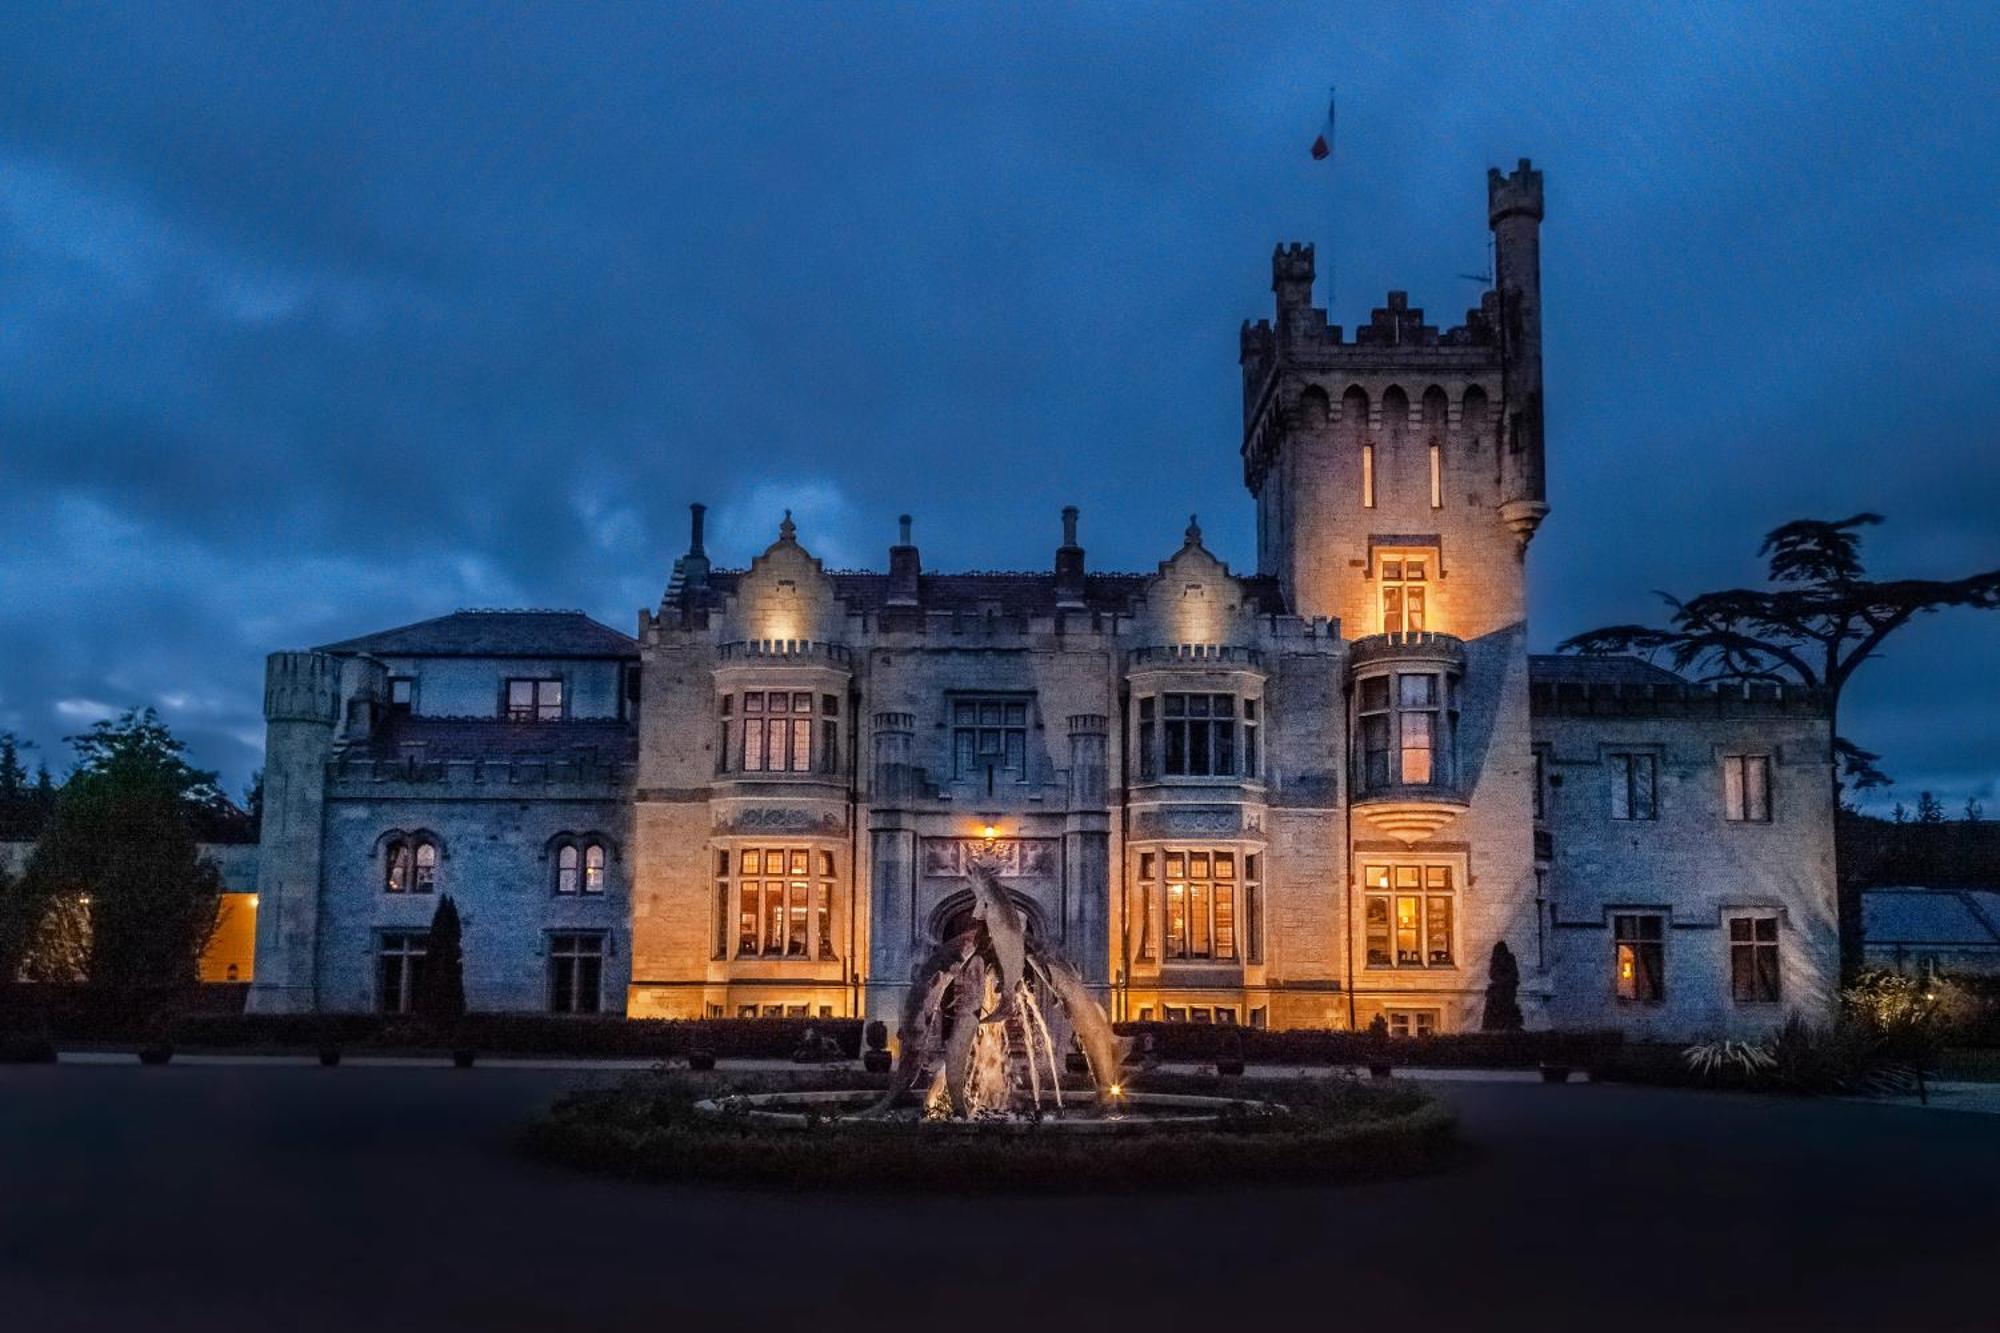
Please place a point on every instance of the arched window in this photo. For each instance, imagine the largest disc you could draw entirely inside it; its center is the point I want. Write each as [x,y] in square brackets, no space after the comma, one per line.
[410,864]
[398,868]
[580,865]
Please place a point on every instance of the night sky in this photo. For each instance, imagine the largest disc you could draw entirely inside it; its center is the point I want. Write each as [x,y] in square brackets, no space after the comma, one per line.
[318,321]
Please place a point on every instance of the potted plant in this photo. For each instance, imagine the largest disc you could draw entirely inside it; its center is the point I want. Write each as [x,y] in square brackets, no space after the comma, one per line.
[876,1059]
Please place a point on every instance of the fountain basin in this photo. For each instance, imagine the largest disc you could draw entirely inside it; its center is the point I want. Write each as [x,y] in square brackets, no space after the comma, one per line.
[1135,1113]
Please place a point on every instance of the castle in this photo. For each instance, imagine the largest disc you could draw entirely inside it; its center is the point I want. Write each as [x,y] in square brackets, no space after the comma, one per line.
[1308,796]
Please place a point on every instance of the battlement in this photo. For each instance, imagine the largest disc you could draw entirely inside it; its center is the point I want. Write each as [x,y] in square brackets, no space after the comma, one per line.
[1292,262]
[1583,699]
[1518,191]
[302,687]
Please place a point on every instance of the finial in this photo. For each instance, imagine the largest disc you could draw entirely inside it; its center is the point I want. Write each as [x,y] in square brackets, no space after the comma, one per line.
[1193,531]
[903,527]
[787,529]
[1069,525]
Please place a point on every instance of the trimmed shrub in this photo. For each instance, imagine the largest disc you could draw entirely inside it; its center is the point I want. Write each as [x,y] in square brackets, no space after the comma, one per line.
[1200,1043]
[1334,1130]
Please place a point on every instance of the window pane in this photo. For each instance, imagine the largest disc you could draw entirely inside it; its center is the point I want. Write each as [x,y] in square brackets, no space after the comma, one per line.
[1378,931]
[795,939]
[1437,930]
[1197,912]
[1375,693]
[1409,912]
[746,928]
[589,984]
[1225,921]
[801,744]
[1732,787]
[1176,919]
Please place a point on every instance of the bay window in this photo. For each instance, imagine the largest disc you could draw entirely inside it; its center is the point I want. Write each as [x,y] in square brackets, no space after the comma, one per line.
[1405,722]
[784,901]
[773,731]
[1206,734]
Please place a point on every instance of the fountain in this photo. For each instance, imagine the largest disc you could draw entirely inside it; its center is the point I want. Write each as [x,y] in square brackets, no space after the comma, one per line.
[987,1062]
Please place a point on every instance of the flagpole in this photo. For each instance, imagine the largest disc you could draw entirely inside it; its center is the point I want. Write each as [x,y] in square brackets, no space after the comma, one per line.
[1333,211]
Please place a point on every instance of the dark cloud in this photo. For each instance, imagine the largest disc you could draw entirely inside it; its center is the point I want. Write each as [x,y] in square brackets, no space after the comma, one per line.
[318,319]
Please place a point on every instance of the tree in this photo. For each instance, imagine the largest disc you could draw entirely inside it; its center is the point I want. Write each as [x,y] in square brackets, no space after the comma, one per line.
[1930,810]
[118,890]
[1503,988]
[440,993]
[1818,620]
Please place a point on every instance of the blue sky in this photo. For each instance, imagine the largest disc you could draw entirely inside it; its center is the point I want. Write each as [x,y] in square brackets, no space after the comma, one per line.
[318,320]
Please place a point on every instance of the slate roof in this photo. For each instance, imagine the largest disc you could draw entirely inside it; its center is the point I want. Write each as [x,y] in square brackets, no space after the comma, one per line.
[1579,669]
[1917,915]
[1029,592]
[495,634]
[428,738]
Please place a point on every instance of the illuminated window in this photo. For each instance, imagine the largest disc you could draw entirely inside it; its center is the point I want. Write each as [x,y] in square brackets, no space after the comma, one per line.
[1411,1022]
[1746,788]
[1635,786]
[1368,476]
[1407,913]
[399,969]
[784,901]
[532,700]
[1406,721]
[776,727]
[1202,892]
[990,736]
[1437,476]
[410,865]
[1639,956]
[1149,903]
[580,867]
[1405,583]
[576,972]
[1753,959]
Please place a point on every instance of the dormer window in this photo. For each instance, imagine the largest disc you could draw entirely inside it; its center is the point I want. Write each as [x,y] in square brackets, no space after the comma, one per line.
[532,699]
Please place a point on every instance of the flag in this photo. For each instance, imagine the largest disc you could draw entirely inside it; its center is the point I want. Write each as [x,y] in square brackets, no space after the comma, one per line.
[1323,146]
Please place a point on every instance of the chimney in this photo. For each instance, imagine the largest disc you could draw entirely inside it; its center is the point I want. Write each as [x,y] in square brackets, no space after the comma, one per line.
[694,565]
[904,565]
[1069,565]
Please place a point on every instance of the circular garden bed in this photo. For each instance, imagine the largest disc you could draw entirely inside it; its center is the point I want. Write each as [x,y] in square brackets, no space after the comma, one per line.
[653,1127]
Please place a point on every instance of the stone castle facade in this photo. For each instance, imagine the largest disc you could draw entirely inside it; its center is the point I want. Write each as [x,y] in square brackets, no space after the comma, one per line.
[1306,796]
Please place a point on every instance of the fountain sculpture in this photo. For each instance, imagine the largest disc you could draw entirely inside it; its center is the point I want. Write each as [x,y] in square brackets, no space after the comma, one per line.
[986,1059]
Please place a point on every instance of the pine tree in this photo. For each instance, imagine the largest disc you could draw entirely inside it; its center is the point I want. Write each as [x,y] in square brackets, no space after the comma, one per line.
[1503,988]
[440,994]
[1930,810]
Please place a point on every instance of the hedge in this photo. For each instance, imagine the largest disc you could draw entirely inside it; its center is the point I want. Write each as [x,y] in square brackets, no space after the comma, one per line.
[1206,1043]
[1334,1130]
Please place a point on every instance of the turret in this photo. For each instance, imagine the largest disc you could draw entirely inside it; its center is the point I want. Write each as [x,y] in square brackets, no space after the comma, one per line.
[1514,211]
[301,706]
